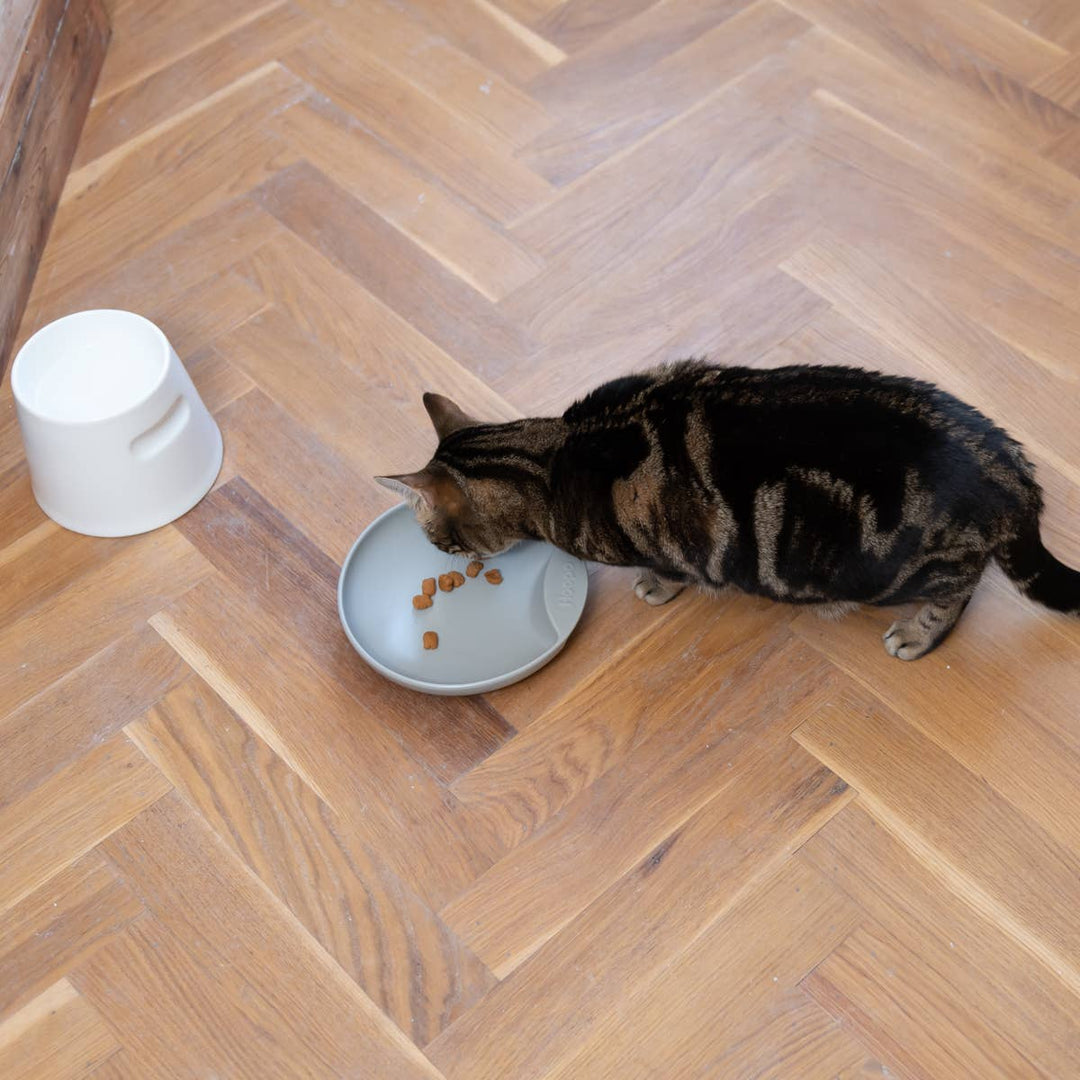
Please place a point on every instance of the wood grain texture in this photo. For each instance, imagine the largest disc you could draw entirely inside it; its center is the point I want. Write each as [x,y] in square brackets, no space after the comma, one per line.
[57,925]
[246,538]
[409,964]
[1002,987]
[1026,880]
[868,983]
[717,839]
[593,731]
[87,706]
[50,56]
[70,813]
[666,902]
[218,909]
[342,750]
[112,599]
[56,1035]
[697,1011]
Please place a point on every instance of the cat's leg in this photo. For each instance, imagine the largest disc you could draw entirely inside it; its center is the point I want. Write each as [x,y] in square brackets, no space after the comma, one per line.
[655,590]
[908,639]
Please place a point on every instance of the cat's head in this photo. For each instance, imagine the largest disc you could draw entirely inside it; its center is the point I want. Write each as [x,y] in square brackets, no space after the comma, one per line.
[462,515]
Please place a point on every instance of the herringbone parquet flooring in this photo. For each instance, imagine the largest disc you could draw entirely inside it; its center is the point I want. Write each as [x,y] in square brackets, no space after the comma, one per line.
[722,839]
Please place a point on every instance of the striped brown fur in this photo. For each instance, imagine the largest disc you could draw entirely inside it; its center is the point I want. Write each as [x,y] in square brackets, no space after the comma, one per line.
[812,485]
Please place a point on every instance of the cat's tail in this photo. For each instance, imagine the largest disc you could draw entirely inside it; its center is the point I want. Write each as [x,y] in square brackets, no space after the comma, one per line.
[1036,572]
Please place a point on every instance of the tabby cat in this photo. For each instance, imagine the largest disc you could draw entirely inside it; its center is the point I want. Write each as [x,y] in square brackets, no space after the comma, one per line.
[812,485]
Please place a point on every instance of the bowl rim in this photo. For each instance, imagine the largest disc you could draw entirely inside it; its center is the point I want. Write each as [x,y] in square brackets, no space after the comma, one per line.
[89,316]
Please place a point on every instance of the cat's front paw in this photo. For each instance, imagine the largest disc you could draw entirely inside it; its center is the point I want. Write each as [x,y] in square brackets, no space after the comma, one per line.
[654,590]
[907,640]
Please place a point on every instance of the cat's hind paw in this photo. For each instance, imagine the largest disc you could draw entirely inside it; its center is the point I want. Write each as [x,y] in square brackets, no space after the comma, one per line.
[655,590]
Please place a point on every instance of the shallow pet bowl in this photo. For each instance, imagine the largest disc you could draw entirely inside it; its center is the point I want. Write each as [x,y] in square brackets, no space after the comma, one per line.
[489,635]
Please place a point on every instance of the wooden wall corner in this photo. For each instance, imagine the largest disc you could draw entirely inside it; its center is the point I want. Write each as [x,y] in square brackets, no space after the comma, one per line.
[51,52]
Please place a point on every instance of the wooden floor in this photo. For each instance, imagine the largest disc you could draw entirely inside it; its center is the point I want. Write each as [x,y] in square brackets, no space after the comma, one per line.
[722,839]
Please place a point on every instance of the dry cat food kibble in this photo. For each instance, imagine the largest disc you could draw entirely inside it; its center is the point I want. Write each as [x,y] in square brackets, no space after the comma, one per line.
[448,582]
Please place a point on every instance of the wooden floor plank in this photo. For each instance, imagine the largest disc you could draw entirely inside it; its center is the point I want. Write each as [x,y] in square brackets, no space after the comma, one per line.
[53,928]
[492,34]
[305,1014]
[23,524]
[652,914]
[148,37]
[57,1035]
[400,274]
[126,113]
[107,603]
[383,352]
[1027,751]
[342,750]
[247,539]
[387,940]
[466,158]
[619,316]
[688,1021]
[85,707]
[632,46]
[600,126]
[197,165]
[181,259]
[470,247]
[900,169]
[389,34]
[971,45]
[71,812]
[593,730]
[629,812]
[614,621]
[922,1024]
[1062,83]
[299,473]
[1025,881]
[984,968]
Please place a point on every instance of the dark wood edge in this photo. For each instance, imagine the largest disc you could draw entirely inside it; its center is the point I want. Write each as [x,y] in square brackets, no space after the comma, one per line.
[49,64]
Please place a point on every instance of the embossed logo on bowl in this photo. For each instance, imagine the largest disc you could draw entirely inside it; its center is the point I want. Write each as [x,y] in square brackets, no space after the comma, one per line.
[566,590]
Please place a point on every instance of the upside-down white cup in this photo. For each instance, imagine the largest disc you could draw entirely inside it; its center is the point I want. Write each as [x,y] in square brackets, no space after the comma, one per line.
[117,438]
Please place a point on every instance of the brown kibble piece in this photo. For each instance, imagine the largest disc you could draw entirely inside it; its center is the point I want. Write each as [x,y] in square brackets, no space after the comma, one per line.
[427,586]
[431,639]
[457,577]
[474,568]
[422,601]
[494,576]
[446,582]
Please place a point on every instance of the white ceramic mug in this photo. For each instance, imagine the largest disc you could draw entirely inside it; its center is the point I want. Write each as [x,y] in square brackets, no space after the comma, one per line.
[117,439]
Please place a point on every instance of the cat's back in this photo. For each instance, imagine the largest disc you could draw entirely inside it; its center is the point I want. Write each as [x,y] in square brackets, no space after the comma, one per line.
[796,403]
[746,426]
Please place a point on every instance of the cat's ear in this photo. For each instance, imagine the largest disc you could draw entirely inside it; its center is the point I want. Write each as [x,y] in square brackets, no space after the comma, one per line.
[426,486]
[446,416]
[414,488]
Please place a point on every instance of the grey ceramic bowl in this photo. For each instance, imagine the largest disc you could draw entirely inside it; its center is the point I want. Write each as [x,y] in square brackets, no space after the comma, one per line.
[489,635]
